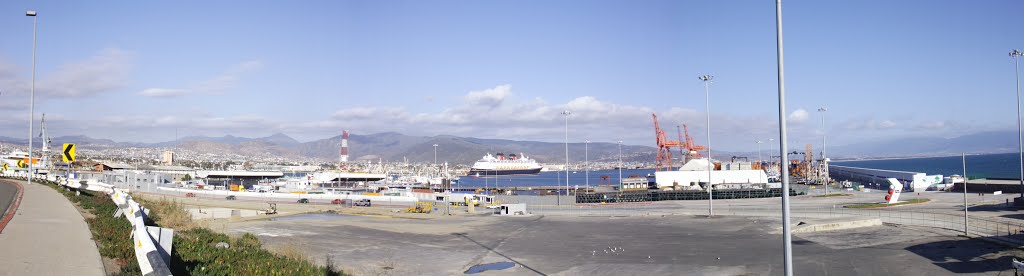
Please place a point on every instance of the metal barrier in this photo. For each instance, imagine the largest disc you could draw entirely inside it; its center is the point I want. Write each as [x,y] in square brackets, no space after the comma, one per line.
[152,245]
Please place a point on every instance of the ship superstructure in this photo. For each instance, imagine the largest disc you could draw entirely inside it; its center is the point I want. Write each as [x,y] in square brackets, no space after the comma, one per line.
[500,164]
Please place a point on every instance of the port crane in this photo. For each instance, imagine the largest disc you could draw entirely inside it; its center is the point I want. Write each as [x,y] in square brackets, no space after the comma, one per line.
[692,147]
[664,156]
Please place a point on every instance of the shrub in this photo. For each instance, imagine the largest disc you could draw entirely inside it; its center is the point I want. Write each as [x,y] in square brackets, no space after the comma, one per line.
[195,249]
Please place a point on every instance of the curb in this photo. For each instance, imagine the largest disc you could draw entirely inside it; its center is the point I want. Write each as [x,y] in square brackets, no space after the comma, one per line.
[11,210]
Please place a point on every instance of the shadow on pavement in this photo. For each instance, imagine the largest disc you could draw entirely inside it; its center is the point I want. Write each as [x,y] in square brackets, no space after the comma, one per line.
[464,235]
[966,255]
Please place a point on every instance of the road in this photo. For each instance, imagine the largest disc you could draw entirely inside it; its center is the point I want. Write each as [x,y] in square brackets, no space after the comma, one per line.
[7,194]
[48,236]
[671,245]
[659,238]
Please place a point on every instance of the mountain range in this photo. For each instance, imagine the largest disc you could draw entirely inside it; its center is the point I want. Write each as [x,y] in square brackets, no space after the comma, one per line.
[379,146]
[465,150]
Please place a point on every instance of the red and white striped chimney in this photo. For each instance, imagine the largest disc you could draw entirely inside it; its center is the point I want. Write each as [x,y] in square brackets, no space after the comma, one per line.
[344,146]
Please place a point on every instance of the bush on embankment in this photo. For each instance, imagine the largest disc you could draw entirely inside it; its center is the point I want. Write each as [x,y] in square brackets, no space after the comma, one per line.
[195,250]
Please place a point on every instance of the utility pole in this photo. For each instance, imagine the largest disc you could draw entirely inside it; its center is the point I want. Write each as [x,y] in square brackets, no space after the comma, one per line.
[566,113]
[32,99]
[786,238]
[707,107]
[1015,54]
[963,159]
[586,161]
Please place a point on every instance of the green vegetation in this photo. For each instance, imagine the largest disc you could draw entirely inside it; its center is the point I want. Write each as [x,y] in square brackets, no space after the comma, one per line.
[833,195]
[195,249]
[883,205]
[196,252]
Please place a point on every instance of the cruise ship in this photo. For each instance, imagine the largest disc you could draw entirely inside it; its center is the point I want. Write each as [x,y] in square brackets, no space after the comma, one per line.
[500,164]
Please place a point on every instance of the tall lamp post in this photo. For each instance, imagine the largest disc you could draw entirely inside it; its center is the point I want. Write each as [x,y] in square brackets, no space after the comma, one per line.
[771,149]
[586,162]
[787,256]
[707,107]
[566,113]
[620,166]
[824,161]
[1015,54]
[32,98]
[759,142]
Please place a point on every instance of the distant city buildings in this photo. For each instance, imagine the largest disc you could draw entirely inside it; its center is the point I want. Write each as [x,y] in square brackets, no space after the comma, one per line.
[167,158]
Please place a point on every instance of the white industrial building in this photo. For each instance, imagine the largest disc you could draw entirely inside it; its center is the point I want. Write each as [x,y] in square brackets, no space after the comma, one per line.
[914,180]
[694,172]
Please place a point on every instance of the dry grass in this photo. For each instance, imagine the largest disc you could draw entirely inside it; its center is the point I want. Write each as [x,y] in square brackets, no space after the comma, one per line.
[292,251]
[168,213]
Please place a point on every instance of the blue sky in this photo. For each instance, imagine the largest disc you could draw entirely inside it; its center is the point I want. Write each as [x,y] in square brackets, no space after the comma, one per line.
[133,71]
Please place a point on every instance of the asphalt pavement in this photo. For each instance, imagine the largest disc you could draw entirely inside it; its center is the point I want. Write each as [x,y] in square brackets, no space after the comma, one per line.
[7,194]
[48,236]
[652,245]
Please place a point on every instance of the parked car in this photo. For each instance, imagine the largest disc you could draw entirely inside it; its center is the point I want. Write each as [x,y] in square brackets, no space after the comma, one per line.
[363,202]
[231,197]
[303,200]
[190,195]
[337,201]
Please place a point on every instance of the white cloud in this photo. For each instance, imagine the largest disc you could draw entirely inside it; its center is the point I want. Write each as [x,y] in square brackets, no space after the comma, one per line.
[105,71]
[862,124]
[798,116]
[228,80]
[223,83]
[363,113]
[489,97]
[933,125]
[887,124]
[163,92]
[508,117]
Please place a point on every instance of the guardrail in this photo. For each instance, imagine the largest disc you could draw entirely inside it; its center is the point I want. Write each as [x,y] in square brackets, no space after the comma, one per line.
[152,245]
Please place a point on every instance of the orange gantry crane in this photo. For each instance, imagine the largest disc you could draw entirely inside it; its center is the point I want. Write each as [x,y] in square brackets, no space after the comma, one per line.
[664,156]
[693,148]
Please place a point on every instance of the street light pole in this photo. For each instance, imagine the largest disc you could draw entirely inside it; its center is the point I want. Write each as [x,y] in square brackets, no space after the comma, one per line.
[1015,54]
[707,107]
[620,166]
[32,98]
[963,159]
[759,142]
[566,113]
[786,239]
[586,162]
[823,145]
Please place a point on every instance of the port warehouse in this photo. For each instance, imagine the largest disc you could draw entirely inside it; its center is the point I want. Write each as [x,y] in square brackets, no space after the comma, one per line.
[914,181]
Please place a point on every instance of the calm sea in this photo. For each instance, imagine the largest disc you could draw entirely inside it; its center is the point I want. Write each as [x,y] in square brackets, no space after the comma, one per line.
[1004,165]
[549,179]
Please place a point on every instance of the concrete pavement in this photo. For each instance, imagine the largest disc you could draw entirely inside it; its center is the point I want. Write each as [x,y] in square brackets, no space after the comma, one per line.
[48,236]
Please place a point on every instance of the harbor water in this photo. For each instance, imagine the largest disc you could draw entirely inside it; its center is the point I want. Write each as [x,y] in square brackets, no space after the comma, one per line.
[1003,165]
